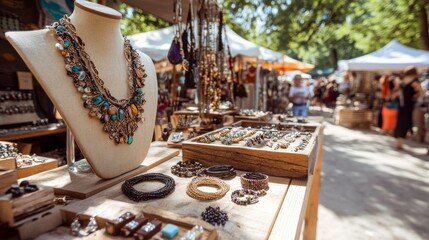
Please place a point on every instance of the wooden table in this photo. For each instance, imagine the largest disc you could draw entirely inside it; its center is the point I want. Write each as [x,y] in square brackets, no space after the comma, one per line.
[290,205]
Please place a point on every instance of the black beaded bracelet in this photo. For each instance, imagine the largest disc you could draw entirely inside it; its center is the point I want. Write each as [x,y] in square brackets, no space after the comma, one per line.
[133,194]
[225,172]
[254,181]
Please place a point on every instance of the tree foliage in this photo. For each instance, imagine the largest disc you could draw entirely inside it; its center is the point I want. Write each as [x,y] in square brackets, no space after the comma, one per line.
[136,21]
[323,31]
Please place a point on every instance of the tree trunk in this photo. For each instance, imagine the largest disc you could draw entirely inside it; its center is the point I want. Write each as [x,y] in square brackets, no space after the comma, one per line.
[334,58]
[424,28]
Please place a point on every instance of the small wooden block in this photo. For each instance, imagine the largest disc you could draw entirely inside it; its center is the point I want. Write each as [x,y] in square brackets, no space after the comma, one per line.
[35,168]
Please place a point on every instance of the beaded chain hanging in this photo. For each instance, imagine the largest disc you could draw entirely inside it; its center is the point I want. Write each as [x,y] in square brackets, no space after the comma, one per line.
[119,117]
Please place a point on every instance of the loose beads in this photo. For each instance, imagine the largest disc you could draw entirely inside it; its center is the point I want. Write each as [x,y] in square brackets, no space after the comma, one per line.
[214,216]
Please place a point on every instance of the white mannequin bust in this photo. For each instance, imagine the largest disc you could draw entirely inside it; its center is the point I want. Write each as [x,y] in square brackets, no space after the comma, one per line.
[98,26]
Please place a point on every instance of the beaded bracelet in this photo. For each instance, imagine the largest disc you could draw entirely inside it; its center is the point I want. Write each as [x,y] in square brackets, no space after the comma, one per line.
[186,169]
[133,194]
[254,181]
[194,192]
[225,172]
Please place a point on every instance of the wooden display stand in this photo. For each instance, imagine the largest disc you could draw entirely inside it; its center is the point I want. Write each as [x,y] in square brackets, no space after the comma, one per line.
[28,170]
[83,185]
[258,158]
[111,209]
[353,118]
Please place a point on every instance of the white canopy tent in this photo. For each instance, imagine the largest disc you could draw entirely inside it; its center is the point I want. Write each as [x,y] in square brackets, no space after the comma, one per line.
[392,57]
[157,43]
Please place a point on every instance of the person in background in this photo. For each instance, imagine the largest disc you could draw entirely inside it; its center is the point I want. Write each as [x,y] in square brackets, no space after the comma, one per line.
[299,95]
[331,93]
[390,104]
[409,91]
[319,89]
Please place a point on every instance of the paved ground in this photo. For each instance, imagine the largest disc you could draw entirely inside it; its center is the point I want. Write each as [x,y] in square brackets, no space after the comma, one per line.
[370,190]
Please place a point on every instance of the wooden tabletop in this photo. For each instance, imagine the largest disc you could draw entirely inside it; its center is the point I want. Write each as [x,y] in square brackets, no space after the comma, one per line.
[279,215]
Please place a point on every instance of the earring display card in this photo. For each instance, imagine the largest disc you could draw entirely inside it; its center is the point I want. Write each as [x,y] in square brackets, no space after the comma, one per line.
[282,150]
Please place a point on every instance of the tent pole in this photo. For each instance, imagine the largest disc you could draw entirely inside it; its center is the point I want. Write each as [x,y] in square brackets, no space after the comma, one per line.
[257,85]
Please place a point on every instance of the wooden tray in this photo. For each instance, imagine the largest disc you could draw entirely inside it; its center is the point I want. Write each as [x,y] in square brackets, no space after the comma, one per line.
[259,158]
[13,210]
[7,178]
[111,209]
[28,170]
[9,162]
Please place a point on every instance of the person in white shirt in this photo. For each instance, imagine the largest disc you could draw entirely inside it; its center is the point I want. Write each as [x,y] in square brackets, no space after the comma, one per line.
[299,95]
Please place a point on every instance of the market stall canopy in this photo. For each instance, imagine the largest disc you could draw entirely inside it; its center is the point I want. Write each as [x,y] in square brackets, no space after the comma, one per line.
[393,56]
[287,63]
[157,43]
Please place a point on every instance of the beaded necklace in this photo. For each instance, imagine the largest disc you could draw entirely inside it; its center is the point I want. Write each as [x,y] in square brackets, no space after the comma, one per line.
[118,116]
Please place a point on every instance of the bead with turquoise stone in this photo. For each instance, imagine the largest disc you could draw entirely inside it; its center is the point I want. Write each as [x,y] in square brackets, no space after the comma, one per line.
[66,43]
[130,139]
[76,69]
[104,107]
[121,114]
[113,117]
[97,100]
[81,75]
[139,91]
[61,29]
[138,100]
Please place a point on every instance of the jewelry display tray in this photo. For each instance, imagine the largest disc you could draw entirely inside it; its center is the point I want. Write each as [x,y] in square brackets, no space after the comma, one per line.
[111,209]
[258,158]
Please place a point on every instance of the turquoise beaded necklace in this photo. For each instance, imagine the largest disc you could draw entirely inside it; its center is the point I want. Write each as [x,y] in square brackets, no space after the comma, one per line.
[119,118]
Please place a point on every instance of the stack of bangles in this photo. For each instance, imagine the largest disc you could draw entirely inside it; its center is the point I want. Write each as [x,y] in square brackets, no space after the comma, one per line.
[186,169]
[225,172]
[194,192]
[247,196]
[254,181]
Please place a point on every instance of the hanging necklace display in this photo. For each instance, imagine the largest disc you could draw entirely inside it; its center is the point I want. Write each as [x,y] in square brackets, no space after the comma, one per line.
[189,49]
[176,54]
[120,118]
[231,79]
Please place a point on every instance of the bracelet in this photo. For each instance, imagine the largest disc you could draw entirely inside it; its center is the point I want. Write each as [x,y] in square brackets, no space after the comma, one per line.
[194,192]
[225,172]
[133,194]
[254,181]
[246,196]
[186,169]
